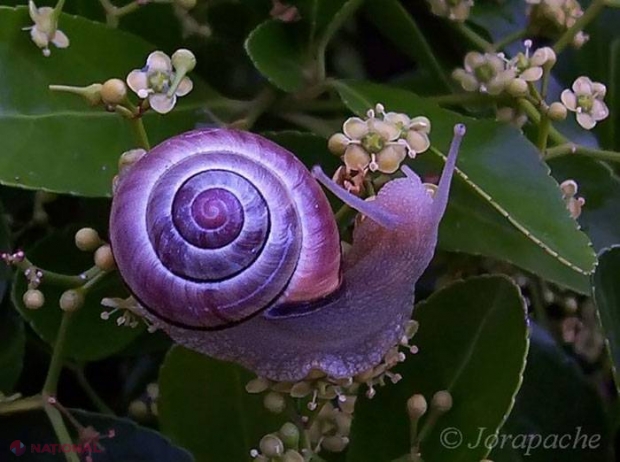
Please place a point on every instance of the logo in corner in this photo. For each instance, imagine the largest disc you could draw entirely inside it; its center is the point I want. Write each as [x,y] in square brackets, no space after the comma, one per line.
[18,448]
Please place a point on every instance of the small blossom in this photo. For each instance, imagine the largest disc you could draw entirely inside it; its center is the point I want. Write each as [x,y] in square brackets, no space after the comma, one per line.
[45,28]
[551,18]
[573,203]
[381,141]
[586,100]
[486,73]
[156,80]
[455,10]
[530,68]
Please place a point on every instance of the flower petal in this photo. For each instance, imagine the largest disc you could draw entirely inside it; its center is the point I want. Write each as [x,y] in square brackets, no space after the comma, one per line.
[39,38]
[390,158]
[599,90]
[356,157]
[418,141]
[472,60]
[599,110]
[161,103]
[388,131]
[532,74]
[137,80]
[586,120]
[355,128]
[159,61]
[60,39]
[184,87]
[569,100]
[583,85]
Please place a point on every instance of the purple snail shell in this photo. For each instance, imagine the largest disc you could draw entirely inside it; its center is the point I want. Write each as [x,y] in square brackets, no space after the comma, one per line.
[229,245]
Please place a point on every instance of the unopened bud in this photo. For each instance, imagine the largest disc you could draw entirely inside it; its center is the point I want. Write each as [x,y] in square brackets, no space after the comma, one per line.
[274,402]
[257,385]
[289,434]
[71,300]
[104,259]
[138,409]
[87,239]
[517,87]
[416,406]
[335,443]
[271,446]
[33,299]
[183,60]
[113,91]
[557,111]
[338,143]
[442,401]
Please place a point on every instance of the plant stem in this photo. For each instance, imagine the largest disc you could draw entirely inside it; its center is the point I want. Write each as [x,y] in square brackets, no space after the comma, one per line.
[591,13]
[474,37]
[53,373]
[575,149]
[543,133]
[140,133]
[57,278]
[22,405]
[61,430]
[259,106]
[510,38]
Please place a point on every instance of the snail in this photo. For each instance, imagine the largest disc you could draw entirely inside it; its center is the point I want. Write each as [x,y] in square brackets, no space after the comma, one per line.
[229,245]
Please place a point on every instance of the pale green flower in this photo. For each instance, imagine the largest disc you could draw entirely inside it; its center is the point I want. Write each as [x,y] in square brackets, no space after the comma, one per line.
[586,100]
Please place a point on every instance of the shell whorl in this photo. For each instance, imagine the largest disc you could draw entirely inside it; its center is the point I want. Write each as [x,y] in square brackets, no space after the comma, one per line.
[214,226]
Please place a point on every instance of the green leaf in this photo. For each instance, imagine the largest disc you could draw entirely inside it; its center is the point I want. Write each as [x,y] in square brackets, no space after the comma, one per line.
[472,342]
[556,399]
[56,141]
[499,165]
[392,19]
[11,347]
[601,189]
[277,50]
[203,406]
[307,147]
[607,297]
[89,338]
[130,442]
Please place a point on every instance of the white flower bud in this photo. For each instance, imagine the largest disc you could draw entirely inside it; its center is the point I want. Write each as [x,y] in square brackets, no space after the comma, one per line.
[33,299]
[338,143]
[113,91]
[71,300]
[557,111]
[442,401]
[274,402]
[271,446]
[104,259]
[183,60]
[87,239]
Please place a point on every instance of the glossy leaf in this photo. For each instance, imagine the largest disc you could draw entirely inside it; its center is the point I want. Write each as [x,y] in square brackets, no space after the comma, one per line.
[12,345]
[129,443]
[600,187]
[203,406]
[277,50]
[555,399]
[606,282]
[477,331]
[57,142]
[392,20]
[502,167]
[89,338]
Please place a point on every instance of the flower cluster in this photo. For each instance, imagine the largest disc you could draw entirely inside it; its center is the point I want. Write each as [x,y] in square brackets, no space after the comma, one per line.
[586,100]
[381,141]
[163,79]
[574,204]
[551,18]
[487,73]
[45,28]
[454,10]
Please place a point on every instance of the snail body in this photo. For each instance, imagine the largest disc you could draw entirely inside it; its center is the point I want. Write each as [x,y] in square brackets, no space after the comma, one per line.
[230,246]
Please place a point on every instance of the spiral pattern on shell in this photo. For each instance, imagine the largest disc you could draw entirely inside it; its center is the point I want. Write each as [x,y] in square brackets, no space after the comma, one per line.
[213,226]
